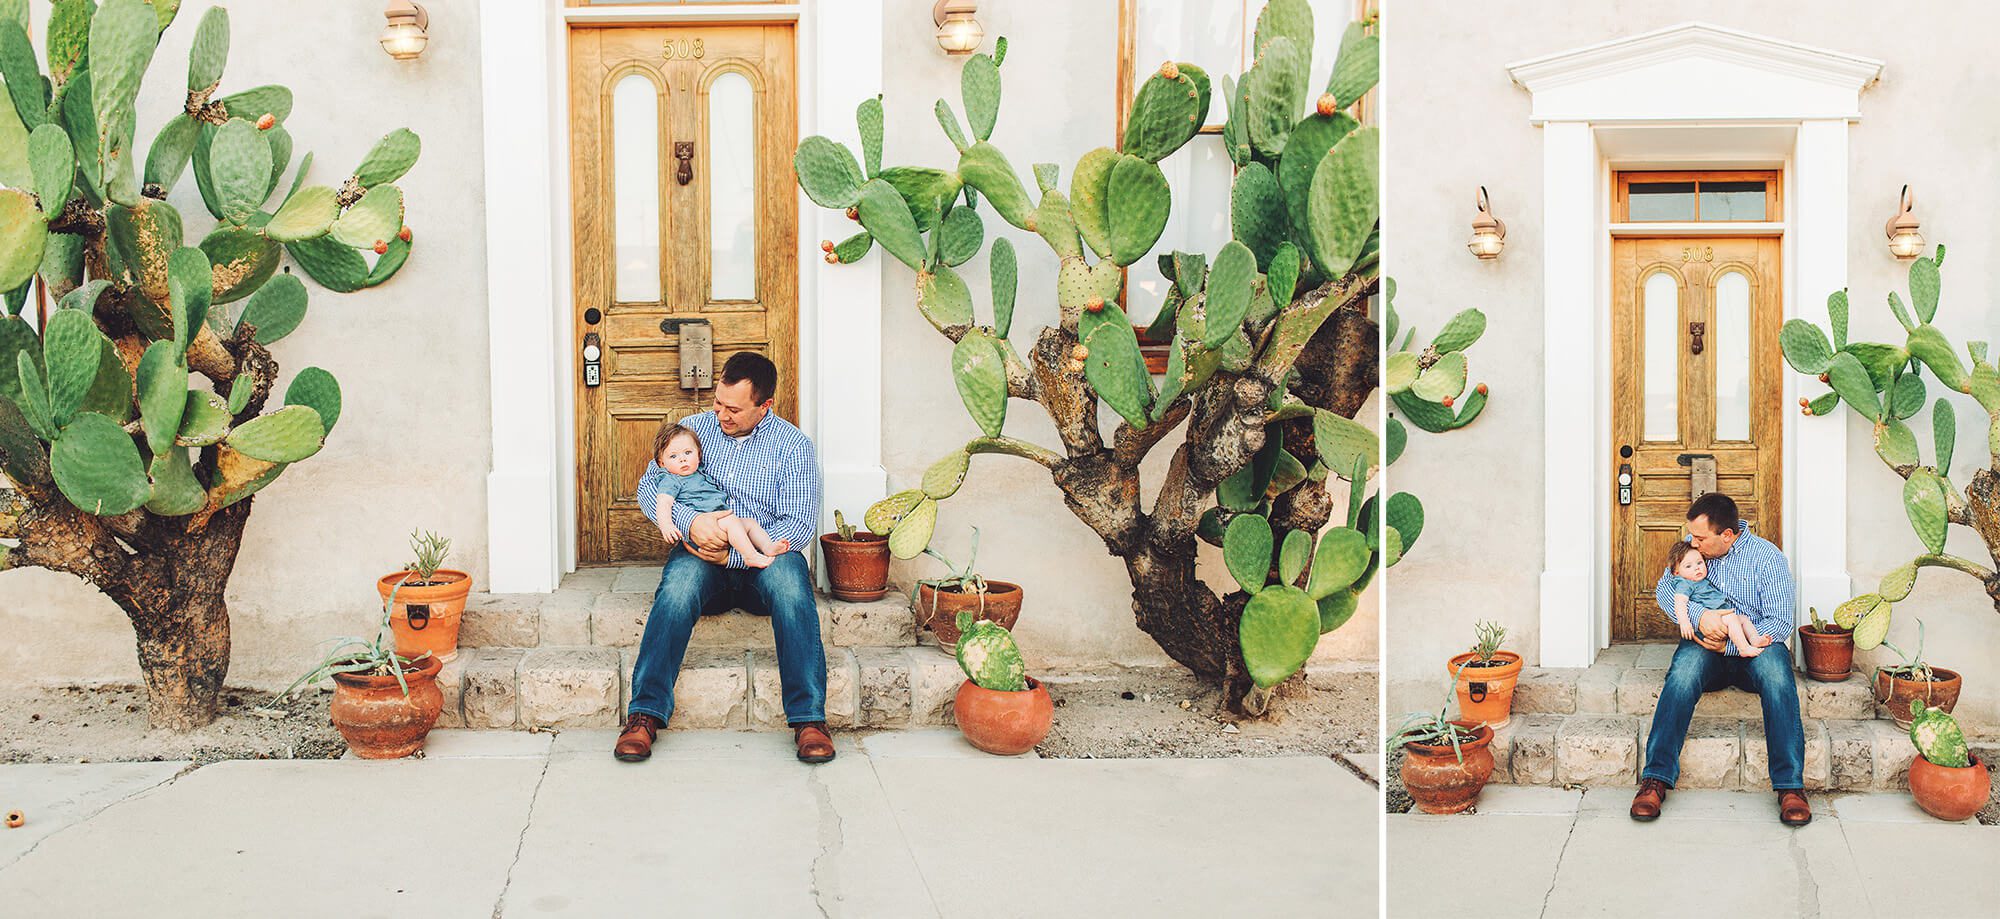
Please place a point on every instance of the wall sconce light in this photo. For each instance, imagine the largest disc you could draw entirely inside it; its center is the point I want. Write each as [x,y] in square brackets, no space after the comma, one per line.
[1489,235]
[957,32]
[1905,242]
[407,32]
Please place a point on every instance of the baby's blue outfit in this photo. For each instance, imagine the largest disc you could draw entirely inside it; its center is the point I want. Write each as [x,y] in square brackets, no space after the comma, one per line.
[696,492]
[1701,596]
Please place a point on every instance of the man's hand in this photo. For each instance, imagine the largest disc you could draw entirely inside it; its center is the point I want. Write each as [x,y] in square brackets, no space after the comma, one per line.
[1713,635]
[706,540]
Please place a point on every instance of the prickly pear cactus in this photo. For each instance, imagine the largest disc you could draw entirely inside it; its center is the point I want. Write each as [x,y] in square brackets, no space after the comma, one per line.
[144,400]
[988,655]
[1937,736]
[1303,257]
[1884,383]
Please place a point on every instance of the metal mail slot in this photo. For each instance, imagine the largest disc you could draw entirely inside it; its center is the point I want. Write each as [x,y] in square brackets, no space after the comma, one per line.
[697,351]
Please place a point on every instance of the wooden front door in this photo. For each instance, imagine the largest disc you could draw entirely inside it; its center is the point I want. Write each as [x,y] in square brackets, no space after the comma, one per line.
[681,178]
[1696,385]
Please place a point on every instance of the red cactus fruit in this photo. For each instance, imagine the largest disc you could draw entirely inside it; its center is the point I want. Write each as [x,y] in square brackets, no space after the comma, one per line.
[1094,305]
[381,247]
[1481,389]
[1328,106]
[1804,402]
[854,213]
[403,234]
[1826,378]
[1079,353]
[1447,402]
[832,259]
[826,245]
[1170,71]
[265,123]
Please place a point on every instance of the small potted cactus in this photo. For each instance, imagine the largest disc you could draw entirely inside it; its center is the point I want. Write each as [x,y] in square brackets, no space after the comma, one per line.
[999,708]
[857,561]
[426,599]
[1946,779]
[1486,676]
[1900,686]
[1446,762]
[941,600]
[1829,649]
[385,702]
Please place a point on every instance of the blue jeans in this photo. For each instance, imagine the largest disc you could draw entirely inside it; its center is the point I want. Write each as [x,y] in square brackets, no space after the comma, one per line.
[1697,670]
[691,588]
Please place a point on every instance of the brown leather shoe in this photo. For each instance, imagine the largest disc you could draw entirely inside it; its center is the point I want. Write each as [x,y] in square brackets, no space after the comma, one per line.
[635,743]
[815,746]
[1792,807]
[1646,804]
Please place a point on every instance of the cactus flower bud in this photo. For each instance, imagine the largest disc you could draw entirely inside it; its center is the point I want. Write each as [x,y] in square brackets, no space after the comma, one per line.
[381,247]
[1094,305]
[826,245]
[1480,389]
[1804,402]
[1080,352]
[1170,71]
[832,259]
[1806,411]
[403,234]
[1447,402]
[1825,378]
[854,213]
[265,123]
[1328,106]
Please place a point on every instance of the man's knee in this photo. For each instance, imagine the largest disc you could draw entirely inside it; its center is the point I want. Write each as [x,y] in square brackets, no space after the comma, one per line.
[1689,671]
[1772,670]
[683,583]
[786,583]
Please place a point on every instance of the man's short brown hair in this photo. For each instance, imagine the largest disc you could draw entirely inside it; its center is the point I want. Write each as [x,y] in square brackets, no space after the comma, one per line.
[1720,509]
[666,434]
[758,369]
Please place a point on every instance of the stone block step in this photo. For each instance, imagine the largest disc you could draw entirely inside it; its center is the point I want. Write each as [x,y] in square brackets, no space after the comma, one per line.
[585,686]
[574,617]
[1727,753]
[1612,687]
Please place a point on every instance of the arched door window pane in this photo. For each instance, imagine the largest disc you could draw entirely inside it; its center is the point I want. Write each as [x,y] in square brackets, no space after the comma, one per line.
[732,192]
[1732,356]
[1662,346]
[635,189]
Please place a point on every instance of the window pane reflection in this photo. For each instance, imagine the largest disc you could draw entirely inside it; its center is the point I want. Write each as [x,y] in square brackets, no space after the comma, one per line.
[635,189]
[1732,356]
[1662,347]
[732,193]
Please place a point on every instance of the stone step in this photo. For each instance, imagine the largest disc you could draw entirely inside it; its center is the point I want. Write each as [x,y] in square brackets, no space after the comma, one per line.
[555,687]
[1619,684]
[1726,753]
[576,616]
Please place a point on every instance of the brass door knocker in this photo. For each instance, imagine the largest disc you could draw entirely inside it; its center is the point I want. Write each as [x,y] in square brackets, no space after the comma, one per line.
[684,151]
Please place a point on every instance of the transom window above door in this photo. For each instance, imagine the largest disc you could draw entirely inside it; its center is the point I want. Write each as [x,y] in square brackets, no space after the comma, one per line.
[1697,197]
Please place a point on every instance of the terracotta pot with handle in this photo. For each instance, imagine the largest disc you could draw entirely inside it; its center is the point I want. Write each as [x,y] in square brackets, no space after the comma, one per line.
[1486,694]
[1949,793]
[425,616]
[1436,778]
[378,721]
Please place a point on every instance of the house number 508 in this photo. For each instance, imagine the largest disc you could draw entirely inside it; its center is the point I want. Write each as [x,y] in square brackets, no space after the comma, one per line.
[1697,253]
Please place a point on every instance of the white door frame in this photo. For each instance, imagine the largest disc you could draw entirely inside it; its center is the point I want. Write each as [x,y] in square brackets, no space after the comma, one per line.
[531,489]
[1684,96]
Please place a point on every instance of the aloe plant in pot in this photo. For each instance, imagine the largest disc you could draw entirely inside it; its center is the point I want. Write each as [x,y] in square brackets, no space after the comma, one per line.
[1485,677]
[857,561]
[426,600]
[940,601]
[384,702]
[999,708]
[1446,762]
[1902,686]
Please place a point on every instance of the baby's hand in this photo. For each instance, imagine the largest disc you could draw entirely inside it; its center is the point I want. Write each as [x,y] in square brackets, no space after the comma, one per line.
[671,533]
[1687,631]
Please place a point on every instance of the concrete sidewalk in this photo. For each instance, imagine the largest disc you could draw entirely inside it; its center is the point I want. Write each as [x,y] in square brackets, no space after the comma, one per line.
[1552,852]
[912,823]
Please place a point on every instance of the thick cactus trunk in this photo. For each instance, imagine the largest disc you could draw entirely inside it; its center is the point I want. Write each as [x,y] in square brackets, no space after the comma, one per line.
[175,602]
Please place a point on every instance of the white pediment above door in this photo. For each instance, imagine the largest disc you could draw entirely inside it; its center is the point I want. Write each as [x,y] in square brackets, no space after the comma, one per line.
[1695,72]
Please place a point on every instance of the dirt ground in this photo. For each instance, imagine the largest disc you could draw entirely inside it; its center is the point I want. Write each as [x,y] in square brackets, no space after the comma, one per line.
[108,724]
[1129,714]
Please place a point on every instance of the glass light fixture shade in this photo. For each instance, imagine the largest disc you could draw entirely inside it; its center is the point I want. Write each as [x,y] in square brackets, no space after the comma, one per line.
[961,34]
[1486,243]
[1907,244]
[407,33]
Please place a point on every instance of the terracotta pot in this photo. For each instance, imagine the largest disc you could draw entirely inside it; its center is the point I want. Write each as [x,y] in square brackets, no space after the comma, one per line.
[425,617]
[937,610]
[1947,793]
[1004,723]
[1435,778]
[858,568]
[378,721]
[1896,693]
[1829,654]
[1486,694]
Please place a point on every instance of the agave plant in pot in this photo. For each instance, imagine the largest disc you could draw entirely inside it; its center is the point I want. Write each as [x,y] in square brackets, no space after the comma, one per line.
[384,702]
[425,600]
[1486,676]
[1901,685]
[1946,779]
[1445,761]
[1829,649]
[857,561]
[999,708]
[940,600]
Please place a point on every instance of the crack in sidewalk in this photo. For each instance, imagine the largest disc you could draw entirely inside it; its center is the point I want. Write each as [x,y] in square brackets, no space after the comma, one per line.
[824,876]
[521,841]
[145,792]
[1355,768]
[1808,886]
[1556,872]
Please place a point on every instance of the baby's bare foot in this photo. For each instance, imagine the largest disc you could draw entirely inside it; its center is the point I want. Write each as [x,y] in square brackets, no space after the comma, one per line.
[781,547]
[756,561]
[1761,641]
[1751,651]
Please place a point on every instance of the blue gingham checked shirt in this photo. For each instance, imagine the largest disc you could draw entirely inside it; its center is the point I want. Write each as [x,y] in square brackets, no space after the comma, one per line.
[770,476]
[1755,577]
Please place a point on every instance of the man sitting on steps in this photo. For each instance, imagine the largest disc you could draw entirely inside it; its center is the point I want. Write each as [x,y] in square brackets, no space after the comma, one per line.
[1754,575]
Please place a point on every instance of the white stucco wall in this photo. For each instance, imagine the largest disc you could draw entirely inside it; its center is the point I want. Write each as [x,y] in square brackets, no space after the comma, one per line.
[1056,104]
[1446,82]
[412,447]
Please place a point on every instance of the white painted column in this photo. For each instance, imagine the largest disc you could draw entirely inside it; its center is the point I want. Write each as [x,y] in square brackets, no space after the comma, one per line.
[1818,537]
[1572,447]
[841,331]
[521,490]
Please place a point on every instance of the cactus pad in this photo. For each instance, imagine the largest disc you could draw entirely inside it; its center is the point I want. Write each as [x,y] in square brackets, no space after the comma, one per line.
[53,165]
[1460,332]
[240,261]
[334,266]
[318,390]
[887,217]
[1292,19]
[1924,288]
[97,466]
[1278,631]
[1873,626]
[1089,189]
[1137,203]
[1342,556]
[1848,614]
[942,480]
[1228,297]
[1342,441]
[1924,500]
[1005,278]
[276,308]
[389,159]
[163,388]
[1257,216]
[1442,380]
[1165,115]
[1944,429]
[883,515]
[72,350]
[828,172]
[1117,370]
[22,235]
[979,89]
[239,166]
[1275,90]
[1282,280]
[1357,68]
[308,213]
[943,298]
[1805,347]
[376,218]
[1056,226]
[868,118]
[1852,382]
[287,435]
[979,367]
[1935,733]
[988,655]
[1246,550]
[1336,608]
[985,168]
[926,191]
[1895,586]
[1343,204]
[174,491]
[911,534]
[961,236]
[1927,344]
